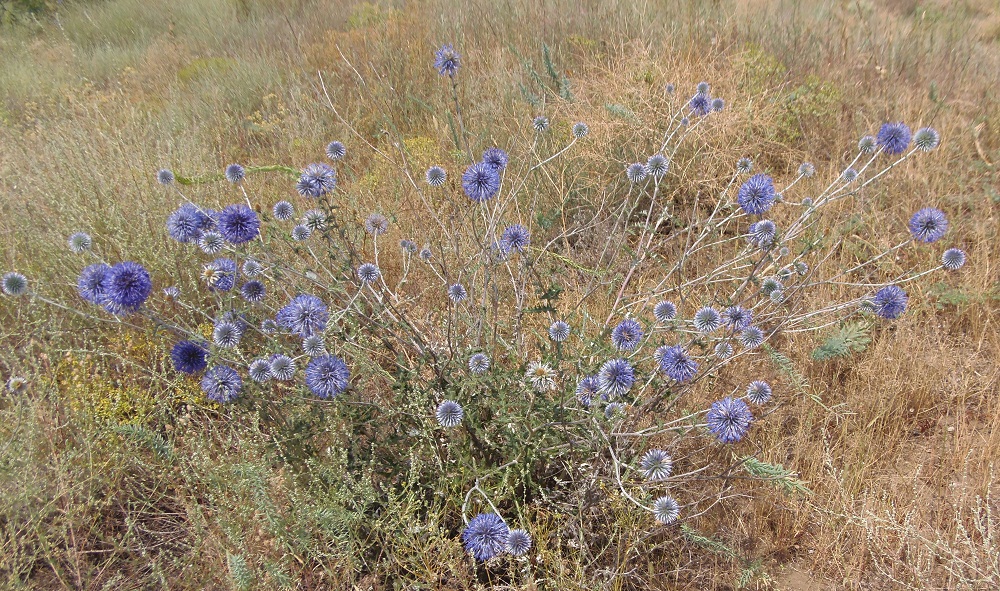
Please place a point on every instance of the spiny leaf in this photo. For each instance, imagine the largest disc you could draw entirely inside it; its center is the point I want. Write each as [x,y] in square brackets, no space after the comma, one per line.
[850,338]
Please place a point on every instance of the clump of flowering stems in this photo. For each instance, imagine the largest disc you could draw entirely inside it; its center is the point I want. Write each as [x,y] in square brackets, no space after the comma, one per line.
[299,297]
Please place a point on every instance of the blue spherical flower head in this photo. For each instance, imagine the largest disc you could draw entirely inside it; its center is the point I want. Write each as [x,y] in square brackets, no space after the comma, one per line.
[616,377]
[703,87]
[93,283]
[368,272]
[518,542]
[301,232]
[457,293]
[636,172]
[481,182]
[376,224]
[14,284]
[666,510]
[588,389]
[737,317]
[227,335]
[559,331]
[890,302]
[220,274]
[252,268]
[700,104]
[580,130]
[515,237]
[928,225]
[540,124]
[756,195]
[849,176]
[128,286]
[665,311]
[752,337]
[744,165]
[260,370]
[627,335]
[707,319]
[238,224]
[953,259]
[807,170]
[729,419]
[305,315]
[614,409]
[282,367]
[723,350]
[164,176]
[235,173]
[408,246]
[221,384]
[79,242]
[211,243]
[188,223]
[253,291]
[893,138]
[496,158]
[283,211]
[926,139]
[314,346]
[657,165]
[189,357]
[336,151]
[446,60]
[327,376]
[316,180]
[677,363]
[868,144]
[758,392]
[656,464]
[479,364]
[436,176]
[449,414]
[485,536]
[718,105]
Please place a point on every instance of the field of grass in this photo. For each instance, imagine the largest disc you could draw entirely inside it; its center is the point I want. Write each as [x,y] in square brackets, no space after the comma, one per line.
[115,473]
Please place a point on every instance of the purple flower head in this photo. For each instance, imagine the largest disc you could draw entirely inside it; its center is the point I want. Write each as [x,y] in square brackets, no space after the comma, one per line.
[446,60]
[756,195]
[729,419]
[893,138]
[701,104]
[587,390]
[677,363]
[481,182]
[496,158]
[222,274]
[305,315]
[928,225]
[221,384]
[327,376]
[737,317]
[890,302]
[238,224]
[316,180]
[189,357]
[626,335]
[187,223]
[485,536]
[93,283]
[515,237]
[128,285]
[616,377]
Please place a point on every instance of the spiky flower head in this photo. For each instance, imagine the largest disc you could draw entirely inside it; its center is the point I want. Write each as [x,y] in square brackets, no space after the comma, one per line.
[627,335]
[890,302]
[800,267]
[127,288]
[614,409]
[449,414]
[665,311]
[446,60]
[729,419]
[616,377]
[893,138]
[953,259]
[221,384]
[268,326]
[211,243]
[457,293]
[515,237]
[481,182]
[762,234]
[238,224]
[220,274]
[807,169]
[518,542]
[164,176]
[301,232]
[305,315]
[700,104]
[313,345]
[928,225]
[316,180]
[685,122]
[541,376]
[368,272]
[759,392]
[587,389]
[253,291]
[666,510]
[408,246]
[752,337]
[327,376]
[777,296]
[376,224]
[496,158]
[559,331]
[282,367]
[657,165]
[744,165]
[314,219]
[723,350]
[259,370]
[14,284]
[770,285]
[656,464]
[79,242]
[436,176]
[235,173]
[636,172]
[251,268]
[425,254]
[707,319]
[868,144]
[718,105]
[189,357]
[335,150]
[703,87]
[580,130]
[849,176]
[283,211]
[226,335]
[677,363]
[479,364]
[92,284]
[187,223]
[540,123]
[756,195]
[485,536]
[737,317]
[926,139]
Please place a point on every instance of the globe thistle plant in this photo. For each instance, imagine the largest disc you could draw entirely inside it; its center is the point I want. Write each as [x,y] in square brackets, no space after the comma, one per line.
[636,173]
[627,335]
[723,350]
[301,233]
[336,151]
[128,286]
[226,335]
[221,384]
[737,317]
[615,378]
[436,176]
[449,414]
[253,291]
[890,302]
[807,170]
[515,237]
[518,542]
[235,173]
[666,510]
[729,419]
[238,224]
[580,130]
[305,315]
[665,311]
[893,138]
[587,389]
[868,144]
[79,242]
[926,139]
[953,259]
[677,363]
[164,176]
[252,268]
[368,273]
[376,224]
[189,357]
[752,337]
[211,243]
[559,331]
[282,367]
[446,60]
[657,165]
[756,195]
[485,536]
[479,364]
[457,293]
[188,223]
[283,211]
[540,124]
[14,284]
[316,180]
[656,464]
[327,376]
[928,225]
[496,159]
[313,345]
[259,370]
[481,182]
[744,165]
[759,392]
[707,320]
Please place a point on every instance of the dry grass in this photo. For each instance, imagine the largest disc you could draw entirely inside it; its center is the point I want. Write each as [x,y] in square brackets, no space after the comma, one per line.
[900,455]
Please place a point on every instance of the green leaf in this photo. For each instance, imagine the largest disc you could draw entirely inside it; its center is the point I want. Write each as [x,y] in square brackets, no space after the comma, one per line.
[850,338]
